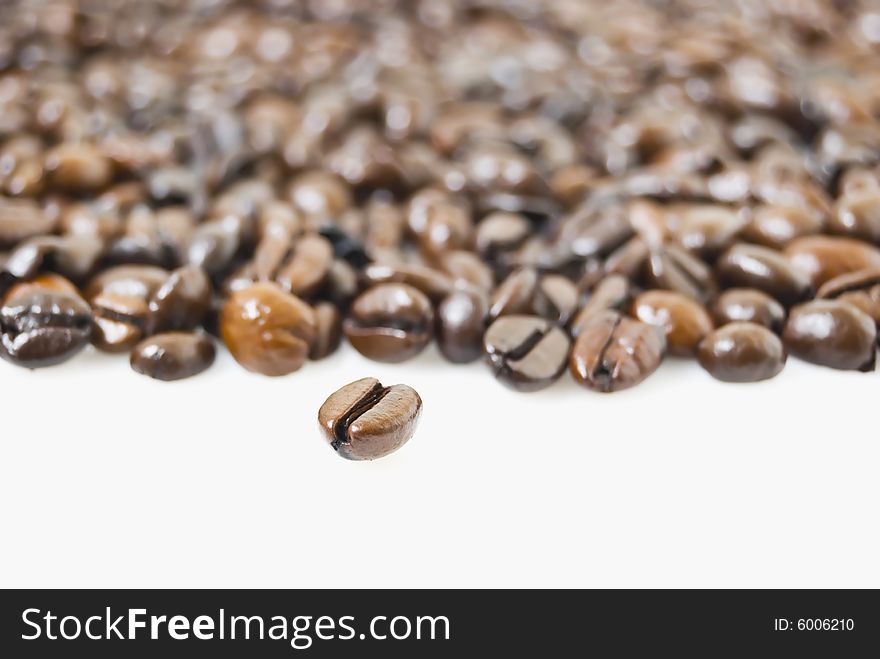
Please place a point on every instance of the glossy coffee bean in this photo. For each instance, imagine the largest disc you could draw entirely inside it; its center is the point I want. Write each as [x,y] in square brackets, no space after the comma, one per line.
[826,257]
[308,266]
[526,353]
[832,333]
[43,327]
[614,352]
[460,325]
[751,266]
[748,305]
[684,321]
[267,330]
[673,268]
[181,302]
[467,268]
[556,298]
[364,420]
[860,288]
[499,232]
[515,294]
[433,283]
[173,355]
[78,167]
[776,226]
[21,219]
[390,323]
[48,282]
[328,330]
[742,352]
[858,216]
[612,293]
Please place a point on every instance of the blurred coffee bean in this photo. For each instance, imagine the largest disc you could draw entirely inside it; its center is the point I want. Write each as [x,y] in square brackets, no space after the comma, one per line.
[78,168]
[857,216]
[433,283]
[328,330]
[308,266]
[612,293]
[268,330]
[43,327]
[515,294]
[709,230]
[526,353]
[173,355]
[214,244]
[613,352]
[364,420]
[751,266]
[319,194]
[672,268]
[684,321]
[826,257]
[460,325]
[48,282]
[390,323]
[748,305]
[776,226]
[439,221]
[860,288]
[742,352]
[832,333]
[181,302]
[500,232]
[467,267]
[556,298]
[21,219]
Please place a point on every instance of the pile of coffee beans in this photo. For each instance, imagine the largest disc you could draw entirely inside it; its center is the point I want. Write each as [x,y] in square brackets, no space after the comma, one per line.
[548,185]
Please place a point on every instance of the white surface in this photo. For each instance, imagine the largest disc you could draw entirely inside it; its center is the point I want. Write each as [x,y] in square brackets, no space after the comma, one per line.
[108,478]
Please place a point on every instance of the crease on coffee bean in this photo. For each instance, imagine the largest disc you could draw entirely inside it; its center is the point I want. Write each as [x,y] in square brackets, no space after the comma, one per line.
[367,402]
[602,373]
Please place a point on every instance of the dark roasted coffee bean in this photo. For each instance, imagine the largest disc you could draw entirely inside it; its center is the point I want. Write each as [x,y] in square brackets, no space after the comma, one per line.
[267,329]
[308,266]
[344,246]
[328,330]
[595,229]
[826,257]
[390,323]
[433,283]
[341,285]
[860,288]
[776,226]
[173,355]
[708,230]
[460,325]
[613,352]
[181,302]
[748,305]
[43,327]
[320,194]
[684,321]
[742,352]
[439,221]
[526,353]
[858,216]
[556,298]
[72,256]
[672,268]
[467,267]
[515,294]
[751,266]
[48,282]
[612,293]
[499,232]
[215,243]
[832,333]
[364,420]
[21,219]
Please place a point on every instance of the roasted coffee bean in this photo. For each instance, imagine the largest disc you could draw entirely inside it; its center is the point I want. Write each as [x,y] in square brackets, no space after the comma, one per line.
[344,246]
[364,420]
[832,333]
[499,232]
[748,305]
[439,221]
[826,257]
[72,256]
[173,355]
[860,288]
[43,327]
[515,294]
[181,302]
[526,353]
[319,194]
[433,283]
[21,219]
[48,282]
[215,243]
[467,267]
[708,230]
[556,298]
[776,226]
[613,352]
[672,268]
[308,266]
[390,323]
[858,215]
[751,266]
[684,321]
[78,167]
[595,229]
[328,330]
[267,329]
[742,352]
[460,325]
[341,285]
[120,299]
[612,293]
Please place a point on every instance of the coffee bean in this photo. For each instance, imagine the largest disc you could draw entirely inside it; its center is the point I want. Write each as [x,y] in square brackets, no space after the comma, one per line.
[466,267]
[78,167]
[390,323]
[21,219]
[556,298]
[613,352]
[672,268]
[319,194]
[173,355]
[751,266]
[832,333]
[215,243]
[858,216]
[684,321]
[826,257]
[460,325]
[708,230]
[860,288]
[181,302]
[526,353]
[439,221]
[776,226]
[364,420]
[308,266]
[612,293]
[43,327]
[742,352]
[328,330]
[500,232]
[433,283]
[515,294]
[748,305]
[267,330]
[48,282]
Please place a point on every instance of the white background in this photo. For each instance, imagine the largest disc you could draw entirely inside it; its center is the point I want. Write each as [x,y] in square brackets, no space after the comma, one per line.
[108,478]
